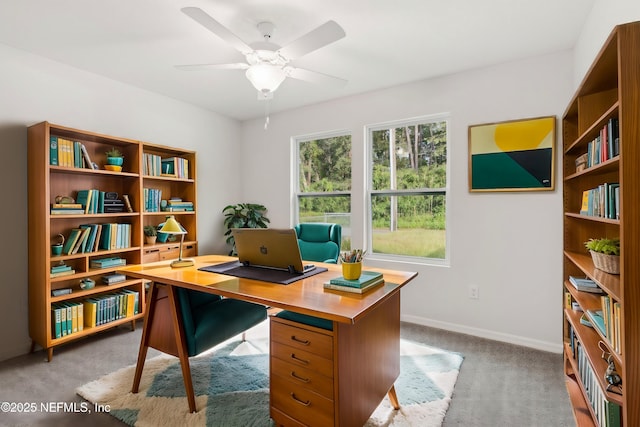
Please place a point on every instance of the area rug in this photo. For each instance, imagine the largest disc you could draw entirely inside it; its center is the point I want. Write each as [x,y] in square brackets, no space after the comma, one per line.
[231,384]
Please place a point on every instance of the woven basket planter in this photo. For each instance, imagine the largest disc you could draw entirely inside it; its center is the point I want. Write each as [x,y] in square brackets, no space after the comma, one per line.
[607,263]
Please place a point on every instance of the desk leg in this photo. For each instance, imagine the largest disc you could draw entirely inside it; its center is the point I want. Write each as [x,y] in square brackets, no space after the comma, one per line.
[181,342]
[393,397]
[144,342]
[163,330]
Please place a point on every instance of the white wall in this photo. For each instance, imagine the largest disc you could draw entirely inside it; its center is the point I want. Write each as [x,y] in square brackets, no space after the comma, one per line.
[605,15]
[509,244]
[34,89]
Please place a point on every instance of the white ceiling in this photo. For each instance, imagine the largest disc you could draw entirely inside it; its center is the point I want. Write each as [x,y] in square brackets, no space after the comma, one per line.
[387,43]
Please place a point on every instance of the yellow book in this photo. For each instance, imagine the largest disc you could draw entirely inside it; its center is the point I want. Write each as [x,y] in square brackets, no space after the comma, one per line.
[584,210]
[89,307]
[74,318]
[80,316]
[131,304]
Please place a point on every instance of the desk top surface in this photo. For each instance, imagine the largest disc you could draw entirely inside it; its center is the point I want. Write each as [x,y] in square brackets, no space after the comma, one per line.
[307,296]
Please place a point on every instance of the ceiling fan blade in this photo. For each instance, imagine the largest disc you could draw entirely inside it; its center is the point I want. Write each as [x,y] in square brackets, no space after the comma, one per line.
[326,33]
[198,67]
[314,77]
[204,19]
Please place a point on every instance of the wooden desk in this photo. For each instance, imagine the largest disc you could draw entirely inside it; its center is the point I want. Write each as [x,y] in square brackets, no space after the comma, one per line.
[364,357]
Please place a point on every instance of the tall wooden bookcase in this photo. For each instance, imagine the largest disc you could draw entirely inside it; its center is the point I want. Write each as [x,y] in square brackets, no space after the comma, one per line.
[46,181]
[610,92]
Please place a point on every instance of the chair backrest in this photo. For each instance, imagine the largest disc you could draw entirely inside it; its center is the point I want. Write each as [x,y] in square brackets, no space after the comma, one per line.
[319,241]
[189,302]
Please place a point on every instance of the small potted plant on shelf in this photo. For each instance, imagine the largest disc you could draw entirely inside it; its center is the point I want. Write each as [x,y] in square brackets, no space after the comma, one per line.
[605,254]
[115,159]
[150,234]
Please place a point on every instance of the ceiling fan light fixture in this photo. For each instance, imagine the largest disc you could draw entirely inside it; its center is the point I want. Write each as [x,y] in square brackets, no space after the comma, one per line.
[266,77]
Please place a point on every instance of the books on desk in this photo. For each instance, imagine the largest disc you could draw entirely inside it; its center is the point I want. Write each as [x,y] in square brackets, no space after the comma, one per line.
[367,280]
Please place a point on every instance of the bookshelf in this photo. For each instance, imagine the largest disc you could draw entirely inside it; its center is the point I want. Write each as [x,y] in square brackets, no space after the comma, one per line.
[608,97]
[52,177]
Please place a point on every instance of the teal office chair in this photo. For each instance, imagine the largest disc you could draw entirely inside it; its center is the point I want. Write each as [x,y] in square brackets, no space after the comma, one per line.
[209,320]
[319,241]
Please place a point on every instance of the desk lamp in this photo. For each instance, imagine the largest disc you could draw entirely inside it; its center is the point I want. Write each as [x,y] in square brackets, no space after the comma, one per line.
[171,226]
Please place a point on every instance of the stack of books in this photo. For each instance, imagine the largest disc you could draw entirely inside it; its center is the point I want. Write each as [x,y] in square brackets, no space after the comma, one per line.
[66,209]
[107,262]
[367,280]
[178,205]
[61,270]
[585,285]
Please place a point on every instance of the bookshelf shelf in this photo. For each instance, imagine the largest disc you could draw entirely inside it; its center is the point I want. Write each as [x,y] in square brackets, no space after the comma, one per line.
[63,161]
[608,95]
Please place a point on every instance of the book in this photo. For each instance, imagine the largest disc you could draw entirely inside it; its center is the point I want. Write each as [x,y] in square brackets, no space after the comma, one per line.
[53,150]
[82,239]
[62,273]
[127,202]
[596,318]
[352,289]
[71,240]
[365,278]
[66,206]
[66,211]
[90,310]
[56,324]
[87,160]
[584,320]
[63,291]
[110,279]
[58,268]
[585,285]
[107,262]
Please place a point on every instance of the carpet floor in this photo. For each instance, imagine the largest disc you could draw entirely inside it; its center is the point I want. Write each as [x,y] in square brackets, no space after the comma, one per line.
[499,384]
[231,384]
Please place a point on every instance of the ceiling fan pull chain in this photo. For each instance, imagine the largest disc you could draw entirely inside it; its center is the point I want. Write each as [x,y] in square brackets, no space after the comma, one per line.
[266,114]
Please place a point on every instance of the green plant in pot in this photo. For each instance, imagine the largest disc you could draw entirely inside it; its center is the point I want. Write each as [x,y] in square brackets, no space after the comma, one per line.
[243,215]
[605,253]
[150,234]
[114,157]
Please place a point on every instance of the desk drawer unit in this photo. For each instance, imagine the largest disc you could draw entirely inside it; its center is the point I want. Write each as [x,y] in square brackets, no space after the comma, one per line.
[302,380]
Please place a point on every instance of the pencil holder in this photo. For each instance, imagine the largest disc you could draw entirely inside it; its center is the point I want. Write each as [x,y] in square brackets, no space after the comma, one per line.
[351,270]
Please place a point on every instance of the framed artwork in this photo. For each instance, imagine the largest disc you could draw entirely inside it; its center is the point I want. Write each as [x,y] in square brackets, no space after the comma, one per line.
[515,155]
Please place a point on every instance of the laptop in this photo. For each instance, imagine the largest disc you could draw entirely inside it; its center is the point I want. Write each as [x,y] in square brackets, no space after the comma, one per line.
[270,248]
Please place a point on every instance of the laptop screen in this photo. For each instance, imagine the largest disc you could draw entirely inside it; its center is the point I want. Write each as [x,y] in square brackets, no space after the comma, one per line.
[268,248]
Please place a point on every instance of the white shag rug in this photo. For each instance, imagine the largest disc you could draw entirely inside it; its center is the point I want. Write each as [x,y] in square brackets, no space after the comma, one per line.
[231,384]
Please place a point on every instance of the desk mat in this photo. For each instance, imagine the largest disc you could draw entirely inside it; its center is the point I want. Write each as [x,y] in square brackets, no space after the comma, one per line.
[235,268]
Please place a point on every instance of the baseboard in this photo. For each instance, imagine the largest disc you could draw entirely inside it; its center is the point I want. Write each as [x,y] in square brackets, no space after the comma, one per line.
[484,333]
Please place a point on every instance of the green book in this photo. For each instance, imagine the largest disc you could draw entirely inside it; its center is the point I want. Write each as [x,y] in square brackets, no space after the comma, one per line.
[71,241]
[56,319]
[366,278]
[53,150]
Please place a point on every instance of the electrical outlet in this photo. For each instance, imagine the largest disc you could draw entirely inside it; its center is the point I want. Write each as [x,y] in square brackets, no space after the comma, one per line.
[474,292]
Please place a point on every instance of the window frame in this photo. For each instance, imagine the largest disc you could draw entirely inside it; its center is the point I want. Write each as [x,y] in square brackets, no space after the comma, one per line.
[369,191]
[295,168]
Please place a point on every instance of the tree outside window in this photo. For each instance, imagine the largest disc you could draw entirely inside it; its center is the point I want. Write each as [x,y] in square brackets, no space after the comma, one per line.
[324,182]
[408,181]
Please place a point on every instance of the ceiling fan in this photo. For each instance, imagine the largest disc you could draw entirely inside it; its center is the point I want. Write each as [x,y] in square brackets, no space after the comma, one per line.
[268,64]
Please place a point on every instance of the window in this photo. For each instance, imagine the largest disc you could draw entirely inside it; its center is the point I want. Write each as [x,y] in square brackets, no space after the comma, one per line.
[407,188]
[323,192]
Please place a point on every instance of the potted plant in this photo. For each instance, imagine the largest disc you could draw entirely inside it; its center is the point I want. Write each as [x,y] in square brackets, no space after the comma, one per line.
[605,254]
[243,215]
[150,234]
[114,157]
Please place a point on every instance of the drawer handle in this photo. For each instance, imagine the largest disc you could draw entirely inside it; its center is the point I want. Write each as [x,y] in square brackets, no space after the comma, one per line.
[294,357]
[296,339]
[302,402]
[299,378]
